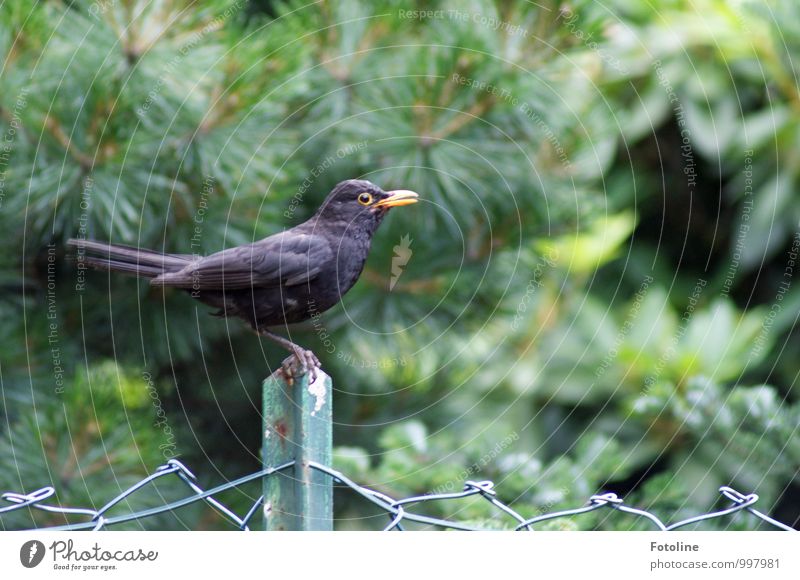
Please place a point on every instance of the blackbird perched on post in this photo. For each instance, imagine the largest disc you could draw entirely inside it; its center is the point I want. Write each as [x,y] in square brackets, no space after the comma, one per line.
[285,278]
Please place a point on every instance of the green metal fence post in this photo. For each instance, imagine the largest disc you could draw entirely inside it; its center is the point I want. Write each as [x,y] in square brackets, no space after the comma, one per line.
[297,426]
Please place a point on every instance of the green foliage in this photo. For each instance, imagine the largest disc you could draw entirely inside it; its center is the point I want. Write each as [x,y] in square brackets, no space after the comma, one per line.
[600,295]
[91,440]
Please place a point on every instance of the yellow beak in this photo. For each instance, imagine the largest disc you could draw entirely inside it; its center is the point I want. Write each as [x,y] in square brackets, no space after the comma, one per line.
[397,198]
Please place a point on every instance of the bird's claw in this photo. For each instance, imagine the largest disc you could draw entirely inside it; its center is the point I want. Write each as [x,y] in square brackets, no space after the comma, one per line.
[301,362]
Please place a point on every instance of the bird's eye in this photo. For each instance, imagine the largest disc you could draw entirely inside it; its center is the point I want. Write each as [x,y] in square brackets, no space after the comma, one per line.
[365,198]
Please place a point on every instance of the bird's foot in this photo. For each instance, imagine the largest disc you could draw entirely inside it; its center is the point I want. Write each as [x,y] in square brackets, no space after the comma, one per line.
[301,362]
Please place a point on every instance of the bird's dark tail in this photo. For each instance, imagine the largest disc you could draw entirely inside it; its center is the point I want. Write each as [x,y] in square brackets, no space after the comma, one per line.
[127,259]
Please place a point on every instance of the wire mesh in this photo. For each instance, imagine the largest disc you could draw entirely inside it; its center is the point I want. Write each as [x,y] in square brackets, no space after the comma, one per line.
[398,511]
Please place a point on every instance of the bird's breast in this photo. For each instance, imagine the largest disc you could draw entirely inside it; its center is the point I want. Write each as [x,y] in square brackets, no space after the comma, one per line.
[350,262]
[340,274]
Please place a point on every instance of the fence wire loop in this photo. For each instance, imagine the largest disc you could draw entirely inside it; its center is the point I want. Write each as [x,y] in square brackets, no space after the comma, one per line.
[180,467]
[736,497]
[605,499]
[398,511]
[33,497]
[484,487]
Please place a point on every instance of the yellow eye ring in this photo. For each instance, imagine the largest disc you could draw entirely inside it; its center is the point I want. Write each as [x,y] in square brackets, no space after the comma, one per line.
[365,198]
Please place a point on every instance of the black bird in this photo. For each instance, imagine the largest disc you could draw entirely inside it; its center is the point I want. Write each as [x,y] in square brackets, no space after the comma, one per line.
[285,278]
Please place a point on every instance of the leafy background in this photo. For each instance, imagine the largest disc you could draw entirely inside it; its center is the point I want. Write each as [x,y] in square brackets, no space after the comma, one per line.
[601,294]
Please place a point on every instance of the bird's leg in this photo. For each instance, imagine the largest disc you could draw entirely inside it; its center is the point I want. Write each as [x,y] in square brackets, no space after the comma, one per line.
[307,360]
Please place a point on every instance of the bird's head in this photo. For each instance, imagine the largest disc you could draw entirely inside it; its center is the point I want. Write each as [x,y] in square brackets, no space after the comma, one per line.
[357,201]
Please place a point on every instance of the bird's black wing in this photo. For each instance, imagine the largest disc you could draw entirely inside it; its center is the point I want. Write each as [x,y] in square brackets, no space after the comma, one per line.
[285,259]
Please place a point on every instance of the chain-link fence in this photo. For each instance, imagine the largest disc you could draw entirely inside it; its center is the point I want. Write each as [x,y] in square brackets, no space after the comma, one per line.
[398,511]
